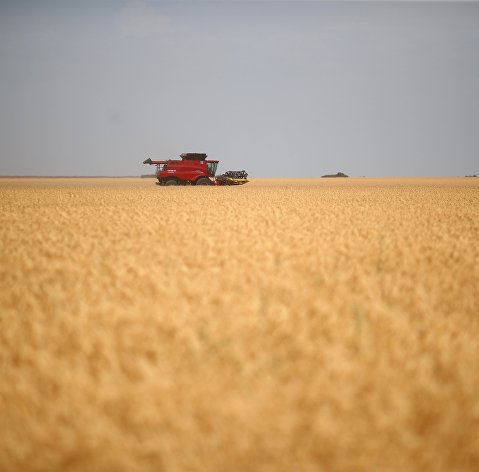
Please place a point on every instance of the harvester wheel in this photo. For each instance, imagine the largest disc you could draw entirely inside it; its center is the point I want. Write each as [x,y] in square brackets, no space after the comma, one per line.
[203,181]
[171,182]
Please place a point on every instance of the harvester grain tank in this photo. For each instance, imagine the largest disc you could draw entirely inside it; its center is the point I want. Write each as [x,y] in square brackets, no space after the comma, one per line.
[194,169]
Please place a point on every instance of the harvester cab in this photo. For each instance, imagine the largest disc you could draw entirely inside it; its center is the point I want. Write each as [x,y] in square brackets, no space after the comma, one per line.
[194,169]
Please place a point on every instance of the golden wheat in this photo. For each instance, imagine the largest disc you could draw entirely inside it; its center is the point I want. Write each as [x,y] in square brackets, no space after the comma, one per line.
[285,325]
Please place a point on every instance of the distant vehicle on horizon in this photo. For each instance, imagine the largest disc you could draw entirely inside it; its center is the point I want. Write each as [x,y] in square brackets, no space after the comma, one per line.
[339,174]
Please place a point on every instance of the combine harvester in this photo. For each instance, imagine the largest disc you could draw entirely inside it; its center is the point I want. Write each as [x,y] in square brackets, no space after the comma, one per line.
[195,169]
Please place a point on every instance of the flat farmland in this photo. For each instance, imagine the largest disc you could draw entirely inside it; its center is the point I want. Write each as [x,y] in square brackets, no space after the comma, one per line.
[284,325]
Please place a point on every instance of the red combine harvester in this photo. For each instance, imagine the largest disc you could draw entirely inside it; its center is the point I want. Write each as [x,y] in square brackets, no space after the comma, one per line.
[194,169]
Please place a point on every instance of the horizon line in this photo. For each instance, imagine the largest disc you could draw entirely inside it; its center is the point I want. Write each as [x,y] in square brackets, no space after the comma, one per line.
[146,176]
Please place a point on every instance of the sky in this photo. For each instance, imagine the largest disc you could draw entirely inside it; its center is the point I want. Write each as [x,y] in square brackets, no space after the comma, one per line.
[278,88]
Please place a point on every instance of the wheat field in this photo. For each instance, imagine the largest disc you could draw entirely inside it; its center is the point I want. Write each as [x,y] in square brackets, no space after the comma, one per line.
[284,325]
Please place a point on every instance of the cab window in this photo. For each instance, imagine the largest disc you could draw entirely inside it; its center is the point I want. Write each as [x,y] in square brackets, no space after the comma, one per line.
[211,167]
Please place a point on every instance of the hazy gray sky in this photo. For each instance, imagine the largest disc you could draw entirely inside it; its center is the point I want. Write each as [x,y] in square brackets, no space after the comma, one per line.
[277,88]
